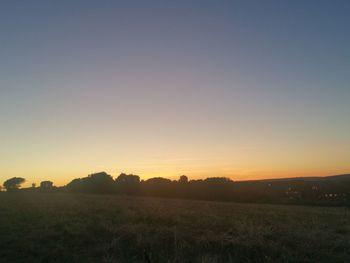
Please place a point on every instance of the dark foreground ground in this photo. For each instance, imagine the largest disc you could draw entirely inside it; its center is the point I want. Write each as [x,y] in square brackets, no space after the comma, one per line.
[39,227]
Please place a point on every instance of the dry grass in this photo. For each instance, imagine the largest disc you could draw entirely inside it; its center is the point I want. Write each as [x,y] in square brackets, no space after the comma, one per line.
[38,227]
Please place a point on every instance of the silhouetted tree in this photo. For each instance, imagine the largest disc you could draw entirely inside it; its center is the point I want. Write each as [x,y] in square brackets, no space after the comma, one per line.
[33,185]
[46,185]
[159,186]
[325,191]
[158,180]
[94,183]
[76,185]
[183,179]
[218,180]
[127,184]
[127,179]
[13,183]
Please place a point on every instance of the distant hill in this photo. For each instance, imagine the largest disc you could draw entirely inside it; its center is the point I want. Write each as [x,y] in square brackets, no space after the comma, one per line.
[341,177]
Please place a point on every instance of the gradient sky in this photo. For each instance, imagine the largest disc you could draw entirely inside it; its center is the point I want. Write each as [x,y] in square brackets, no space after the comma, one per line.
[243,89]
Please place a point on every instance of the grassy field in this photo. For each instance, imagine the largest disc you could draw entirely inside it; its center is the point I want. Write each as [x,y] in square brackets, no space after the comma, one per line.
[38,227]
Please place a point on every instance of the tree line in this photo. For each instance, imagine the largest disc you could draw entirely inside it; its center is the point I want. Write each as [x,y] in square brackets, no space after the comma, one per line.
[332,190]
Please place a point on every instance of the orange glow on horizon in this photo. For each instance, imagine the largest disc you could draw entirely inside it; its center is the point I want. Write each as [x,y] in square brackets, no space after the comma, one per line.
[250,175]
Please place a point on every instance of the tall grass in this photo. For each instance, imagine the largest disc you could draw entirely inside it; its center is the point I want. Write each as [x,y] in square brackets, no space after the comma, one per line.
[39,227]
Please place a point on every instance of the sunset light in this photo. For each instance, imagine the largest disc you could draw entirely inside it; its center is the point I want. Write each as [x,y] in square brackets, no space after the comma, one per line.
[138,131]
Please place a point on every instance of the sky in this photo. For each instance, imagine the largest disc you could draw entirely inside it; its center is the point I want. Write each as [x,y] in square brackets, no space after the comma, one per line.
[241,89]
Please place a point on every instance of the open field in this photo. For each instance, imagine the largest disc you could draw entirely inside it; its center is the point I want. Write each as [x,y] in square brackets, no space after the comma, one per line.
[39,227]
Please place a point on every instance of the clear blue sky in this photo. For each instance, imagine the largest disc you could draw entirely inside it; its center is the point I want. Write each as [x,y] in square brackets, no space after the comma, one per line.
[244,89]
